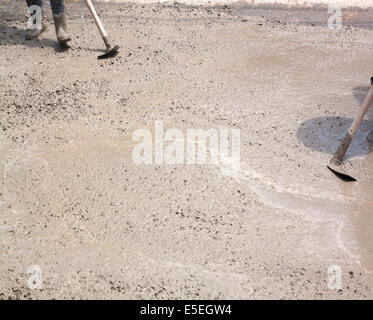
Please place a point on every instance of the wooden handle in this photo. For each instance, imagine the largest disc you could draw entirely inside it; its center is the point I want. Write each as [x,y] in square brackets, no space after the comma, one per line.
[96,18]
[342,149]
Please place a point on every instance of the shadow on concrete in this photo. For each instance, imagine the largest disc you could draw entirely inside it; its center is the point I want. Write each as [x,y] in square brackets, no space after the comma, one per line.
[13,36]
[360,93]
[324,134]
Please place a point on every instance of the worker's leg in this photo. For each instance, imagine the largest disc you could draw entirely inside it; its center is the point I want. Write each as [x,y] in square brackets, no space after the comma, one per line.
[58,7]
[59,16]
[35,3]
[35,29]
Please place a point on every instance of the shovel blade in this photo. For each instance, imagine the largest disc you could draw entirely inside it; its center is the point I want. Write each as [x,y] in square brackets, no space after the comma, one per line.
[340,172]
[110,53]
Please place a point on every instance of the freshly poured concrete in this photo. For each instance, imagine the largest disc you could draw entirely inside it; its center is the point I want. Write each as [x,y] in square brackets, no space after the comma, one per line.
[73,202]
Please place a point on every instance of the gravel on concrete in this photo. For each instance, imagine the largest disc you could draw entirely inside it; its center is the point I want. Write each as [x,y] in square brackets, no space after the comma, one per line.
[73,202]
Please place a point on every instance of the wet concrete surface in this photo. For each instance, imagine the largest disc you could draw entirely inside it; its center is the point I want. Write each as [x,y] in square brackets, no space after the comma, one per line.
[99,226]
[311,16]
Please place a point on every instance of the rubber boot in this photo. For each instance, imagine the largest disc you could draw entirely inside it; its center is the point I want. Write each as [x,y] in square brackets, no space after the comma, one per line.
[370,137]
[61,29]
[34,33]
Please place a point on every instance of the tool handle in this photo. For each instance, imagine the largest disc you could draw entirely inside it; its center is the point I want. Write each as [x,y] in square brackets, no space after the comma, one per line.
[98,22]
[342,149]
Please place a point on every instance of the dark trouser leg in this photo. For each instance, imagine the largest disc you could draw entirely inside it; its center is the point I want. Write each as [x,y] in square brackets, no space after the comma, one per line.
[34,30]
[35,3]
[58,7]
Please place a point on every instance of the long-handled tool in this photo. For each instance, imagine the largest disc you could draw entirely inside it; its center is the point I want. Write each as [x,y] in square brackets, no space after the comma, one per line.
[336,161]
[110,51]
